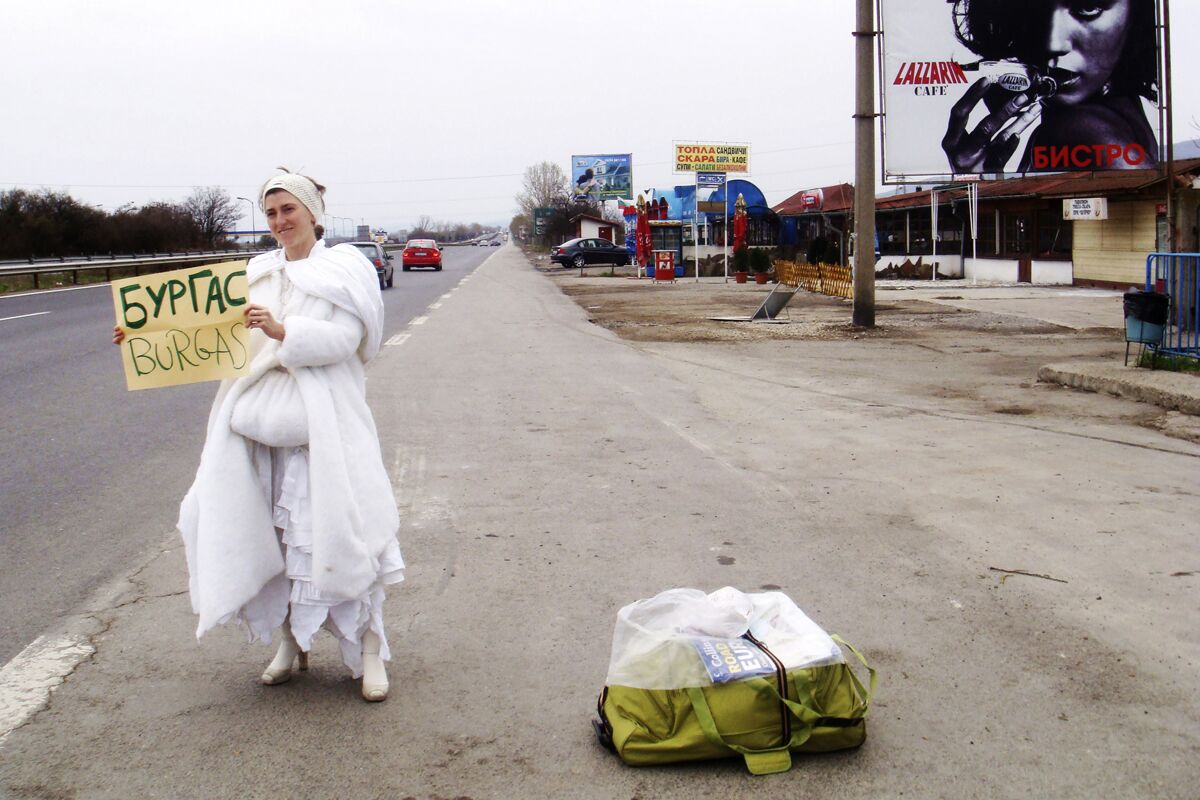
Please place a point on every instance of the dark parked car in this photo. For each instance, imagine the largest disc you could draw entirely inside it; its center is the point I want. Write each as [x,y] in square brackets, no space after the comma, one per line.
[379,259]
[581,252]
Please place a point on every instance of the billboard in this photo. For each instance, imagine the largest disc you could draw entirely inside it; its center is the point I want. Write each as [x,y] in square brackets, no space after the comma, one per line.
[541,216]
[976,87]
[602,177]
[712,157]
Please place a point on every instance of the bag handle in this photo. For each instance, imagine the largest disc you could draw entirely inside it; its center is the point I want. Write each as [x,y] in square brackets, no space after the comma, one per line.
[866,695]
[771,760]
[767,760]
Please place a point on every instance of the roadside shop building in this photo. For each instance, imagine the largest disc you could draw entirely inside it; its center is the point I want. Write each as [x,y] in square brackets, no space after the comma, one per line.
[1022,235]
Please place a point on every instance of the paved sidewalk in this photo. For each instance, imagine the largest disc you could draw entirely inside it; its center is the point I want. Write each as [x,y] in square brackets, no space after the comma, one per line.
[1065,306]
[1078,309]
[550,472]
[1179,391]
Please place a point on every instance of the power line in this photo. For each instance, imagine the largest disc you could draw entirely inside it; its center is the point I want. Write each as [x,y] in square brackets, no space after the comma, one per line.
[376,182]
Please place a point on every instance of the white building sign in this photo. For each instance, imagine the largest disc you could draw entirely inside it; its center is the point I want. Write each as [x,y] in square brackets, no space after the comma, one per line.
[1086,208]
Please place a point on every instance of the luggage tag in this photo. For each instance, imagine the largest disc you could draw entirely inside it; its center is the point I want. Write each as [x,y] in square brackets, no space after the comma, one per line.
[731,659]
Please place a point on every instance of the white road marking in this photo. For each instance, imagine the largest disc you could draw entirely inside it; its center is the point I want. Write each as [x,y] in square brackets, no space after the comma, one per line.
[419,321]
[398,339]
[55,291]
[27,680]
[433,306]
[23,316]
[446,296]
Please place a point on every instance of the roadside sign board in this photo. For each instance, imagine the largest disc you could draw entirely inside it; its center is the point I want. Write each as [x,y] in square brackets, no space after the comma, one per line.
[1085,208]
[183,326]
[710,179]
[540,218]
[712,157]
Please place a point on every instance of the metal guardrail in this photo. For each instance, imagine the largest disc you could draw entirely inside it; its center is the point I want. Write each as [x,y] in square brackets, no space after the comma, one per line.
[155,263]
[1177,275]
[39,267]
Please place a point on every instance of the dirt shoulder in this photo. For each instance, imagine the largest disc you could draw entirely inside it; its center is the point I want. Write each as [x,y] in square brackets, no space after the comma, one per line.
[941,351]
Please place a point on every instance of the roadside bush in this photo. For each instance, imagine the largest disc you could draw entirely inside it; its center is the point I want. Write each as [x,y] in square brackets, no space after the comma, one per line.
[760,260]
[741,259]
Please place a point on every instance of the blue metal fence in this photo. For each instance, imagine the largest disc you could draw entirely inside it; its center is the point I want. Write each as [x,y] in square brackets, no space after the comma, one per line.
[1178,275]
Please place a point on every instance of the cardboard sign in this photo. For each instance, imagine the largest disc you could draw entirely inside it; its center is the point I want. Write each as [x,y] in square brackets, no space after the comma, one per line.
[183,326]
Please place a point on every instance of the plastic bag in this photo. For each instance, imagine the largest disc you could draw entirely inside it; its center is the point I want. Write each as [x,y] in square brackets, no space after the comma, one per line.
[684,638]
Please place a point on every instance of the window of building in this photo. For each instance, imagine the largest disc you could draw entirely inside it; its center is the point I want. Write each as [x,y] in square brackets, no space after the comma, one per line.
[889,227]
[988,245]
[1015,229]
[920,233]
[761,231]
[1054,238]
[949,231]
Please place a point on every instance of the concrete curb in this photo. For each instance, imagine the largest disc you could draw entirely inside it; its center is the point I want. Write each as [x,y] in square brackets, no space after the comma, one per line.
[1173,390]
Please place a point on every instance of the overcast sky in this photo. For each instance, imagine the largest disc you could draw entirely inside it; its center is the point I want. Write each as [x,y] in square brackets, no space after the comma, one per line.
[435,107]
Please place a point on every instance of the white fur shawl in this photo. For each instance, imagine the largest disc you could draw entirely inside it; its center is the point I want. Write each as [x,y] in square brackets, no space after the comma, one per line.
[334,323]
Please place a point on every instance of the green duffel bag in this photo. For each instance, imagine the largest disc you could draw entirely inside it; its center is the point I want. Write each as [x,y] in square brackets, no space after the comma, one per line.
[763,718]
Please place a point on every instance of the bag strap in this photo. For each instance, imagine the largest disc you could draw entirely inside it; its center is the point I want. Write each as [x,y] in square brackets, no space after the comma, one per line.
[866,695]
[768,760]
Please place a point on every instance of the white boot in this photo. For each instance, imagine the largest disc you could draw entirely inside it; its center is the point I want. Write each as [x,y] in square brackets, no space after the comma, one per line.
[280,668]
[374,680]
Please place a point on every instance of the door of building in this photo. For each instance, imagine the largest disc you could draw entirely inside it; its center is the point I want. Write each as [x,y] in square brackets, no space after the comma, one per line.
[606,232]
[1018,243]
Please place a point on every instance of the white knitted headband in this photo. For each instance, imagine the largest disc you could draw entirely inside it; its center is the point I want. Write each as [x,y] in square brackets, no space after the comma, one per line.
[301,187]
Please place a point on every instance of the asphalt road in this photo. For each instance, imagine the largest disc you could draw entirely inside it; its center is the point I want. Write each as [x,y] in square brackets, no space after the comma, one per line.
[549,473]
[91,474]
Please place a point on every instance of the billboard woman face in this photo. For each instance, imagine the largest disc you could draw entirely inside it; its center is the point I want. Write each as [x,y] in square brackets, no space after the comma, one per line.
[1084,42]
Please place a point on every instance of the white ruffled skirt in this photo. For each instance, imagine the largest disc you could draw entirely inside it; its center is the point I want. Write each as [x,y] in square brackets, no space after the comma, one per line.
[291,596]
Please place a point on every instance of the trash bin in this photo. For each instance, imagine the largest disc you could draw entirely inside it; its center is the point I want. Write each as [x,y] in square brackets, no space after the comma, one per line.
[1145,316]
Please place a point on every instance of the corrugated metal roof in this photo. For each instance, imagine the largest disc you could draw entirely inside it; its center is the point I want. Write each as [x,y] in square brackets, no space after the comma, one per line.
[840,198]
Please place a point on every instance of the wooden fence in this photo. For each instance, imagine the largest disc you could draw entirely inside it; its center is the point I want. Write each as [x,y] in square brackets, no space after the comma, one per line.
[830,279]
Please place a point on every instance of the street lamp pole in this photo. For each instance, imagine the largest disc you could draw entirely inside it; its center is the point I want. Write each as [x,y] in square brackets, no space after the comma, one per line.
[252,231]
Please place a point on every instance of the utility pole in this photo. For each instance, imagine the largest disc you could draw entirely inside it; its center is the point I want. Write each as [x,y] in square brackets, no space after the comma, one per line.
[864,165]
[1172,204]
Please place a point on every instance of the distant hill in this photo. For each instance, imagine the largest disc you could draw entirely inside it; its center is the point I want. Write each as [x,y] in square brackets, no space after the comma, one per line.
[1186,149]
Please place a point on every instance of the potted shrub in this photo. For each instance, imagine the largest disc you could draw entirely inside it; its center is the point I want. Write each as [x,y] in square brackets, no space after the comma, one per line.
[741,264]
[760,264]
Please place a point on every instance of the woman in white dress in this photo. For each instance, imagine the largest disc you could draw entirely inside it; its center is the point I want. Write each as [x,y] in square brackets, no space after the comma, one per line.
[291,522]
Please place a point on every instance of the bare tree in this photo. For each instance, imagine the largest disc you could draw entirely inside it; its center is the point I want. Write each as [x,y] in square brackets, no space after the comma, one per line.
[214,212]
[423,228]
[544,185]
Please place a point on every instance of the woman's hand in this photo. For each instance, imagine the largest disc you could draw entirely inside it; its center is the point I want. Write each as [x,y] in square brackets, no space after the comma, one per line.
[118,334]
[989,147]
[260,317]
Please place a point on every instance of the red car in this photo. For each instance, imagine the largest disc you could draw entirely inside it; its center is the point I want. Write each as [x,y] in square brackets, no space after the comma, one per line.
[421,253]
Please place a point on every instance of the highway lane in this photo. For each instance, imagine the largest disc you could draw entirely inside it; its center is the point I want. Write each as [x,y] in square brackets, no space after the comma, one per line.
[91,474]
